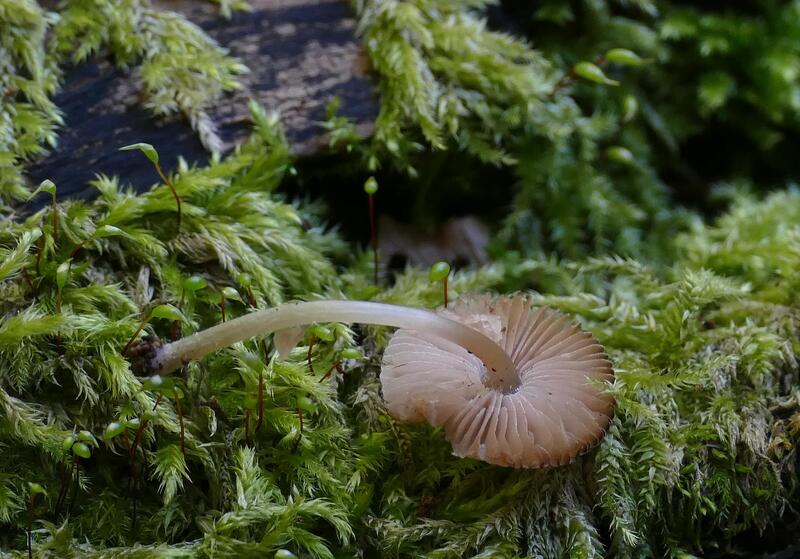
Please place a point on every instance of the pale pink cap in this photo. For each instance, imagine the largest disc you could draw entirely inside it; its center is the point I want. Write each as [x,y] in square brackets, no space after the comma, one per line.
[560,410]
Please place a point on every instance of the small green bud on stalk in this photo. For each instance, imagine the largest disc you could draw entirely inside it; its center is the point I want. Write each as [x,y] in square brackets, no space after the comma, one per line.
[630,107]
[194,283]
[35,490]
[150,152]
[49,187]
[147,149]
[167,312]
[351,353]
[82,450]
[625,57]
[440,272]
[86,437]
[66,445]
[593,73]
[621,155]
[113,430]
[231,294]
[371,187]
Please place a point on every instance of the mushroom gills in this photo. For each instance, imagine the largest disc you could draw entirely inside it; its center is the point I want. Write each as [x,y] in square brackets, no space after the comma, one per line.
[560,409]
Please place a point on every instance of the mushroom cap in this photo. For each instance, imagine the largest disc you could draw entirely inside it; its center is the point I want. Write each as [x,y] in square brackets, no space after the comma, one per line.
[560,410]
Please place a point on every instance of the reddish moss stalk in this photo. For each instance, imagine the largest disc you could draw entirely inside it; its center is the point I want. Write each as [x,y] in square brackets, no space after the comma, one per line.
[139,432]
[300,434]
[62,490]
[260,402]
[180,420]
[77,248]
[308,356]
[31,505]
[374,237]
[247,427]
[77,484]
[136,334]
[336,366]
[39,256]
[55,217]
[172,190]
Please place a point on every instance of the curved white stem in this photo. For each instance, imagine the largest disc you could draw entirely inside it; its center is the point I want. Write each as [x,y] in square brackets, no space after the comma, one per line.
[501,373]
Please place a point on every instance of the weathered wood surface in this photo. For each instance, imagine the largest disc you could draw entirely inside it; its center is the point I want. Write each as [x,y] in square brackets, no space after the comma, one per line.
[462,242]
[301,54]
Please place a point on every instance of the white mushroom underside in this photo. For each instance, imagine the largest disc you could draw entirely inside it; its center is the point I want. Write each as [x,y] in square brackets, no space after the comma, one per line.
[559,410]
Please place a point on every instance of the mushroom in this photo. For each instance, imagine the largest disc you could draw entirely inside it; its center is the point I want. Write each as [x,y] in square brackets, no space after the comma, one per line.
[511,386]
[554,411]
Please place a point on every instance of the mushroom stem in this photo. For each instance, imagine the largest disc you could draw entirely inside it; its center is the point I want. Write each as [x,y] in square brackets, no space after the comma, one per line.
[500,371]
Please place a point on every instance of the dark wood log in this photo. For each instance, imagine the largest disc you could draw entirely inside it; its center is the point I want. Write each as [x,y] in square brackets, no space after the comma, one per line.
[301,55]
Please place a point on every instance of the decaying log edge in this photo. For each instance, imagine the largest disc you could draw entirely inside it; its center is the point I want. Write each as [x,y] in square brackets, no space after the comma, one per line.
[301,55]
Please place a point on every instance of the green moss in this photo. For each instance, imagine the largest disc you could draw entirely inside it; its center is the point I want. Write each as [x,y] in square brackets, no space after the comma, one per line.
[244,454]
[694,456]
[28,78]
[180,69]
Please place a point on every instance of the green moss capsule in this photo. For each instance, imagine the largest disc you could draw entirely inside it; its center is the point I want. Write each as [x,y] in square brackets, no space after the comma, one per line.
[371,186]
[231,294]
[66,445]
[167,312]
[82,450]
[148,150]
[194,283]
[112,430]
[593,73]
[86,437]
[625,57]
[351,353]
[439,271]
[621,155]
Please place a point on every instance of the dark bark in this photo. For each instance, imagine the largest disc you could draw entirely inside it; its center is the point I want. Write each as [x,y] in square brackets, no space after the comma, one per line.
[301,54]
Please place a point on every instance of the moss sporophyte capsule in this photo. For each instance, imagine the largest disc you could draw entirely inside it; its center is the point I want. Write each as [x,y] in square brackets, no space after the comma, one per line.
[66,445]
[371,186]
[439,271]
[351,353]
[112,430]
[194,283]
[82,450]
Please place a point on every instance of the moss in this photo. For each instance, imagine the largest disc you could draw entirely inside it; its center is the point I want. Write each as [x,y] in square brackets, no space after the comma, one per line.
[180,69]
[244,454]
